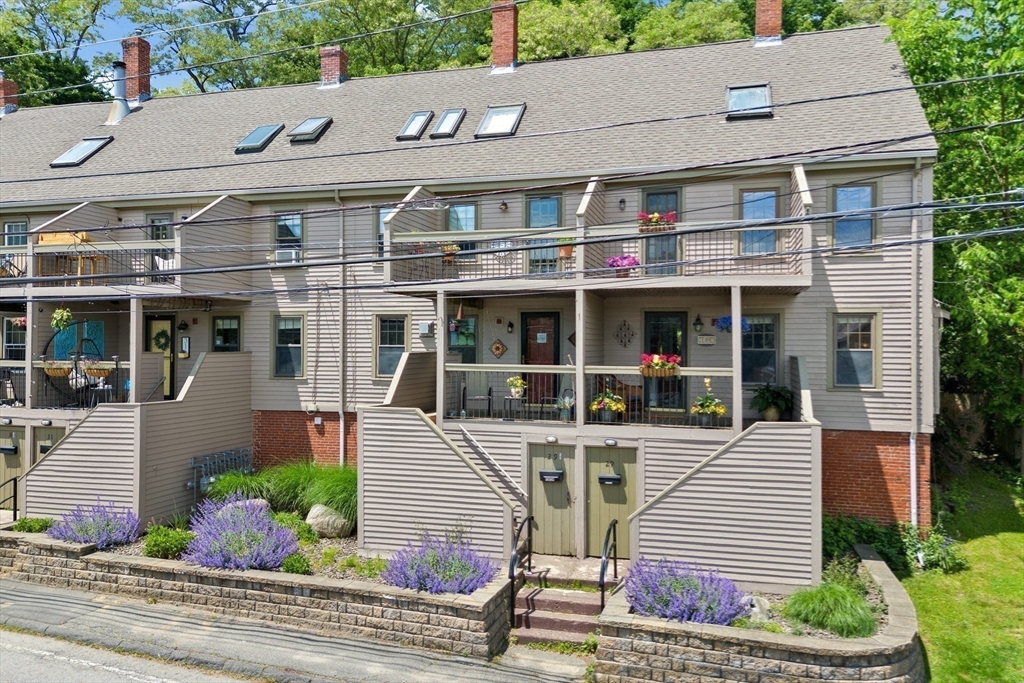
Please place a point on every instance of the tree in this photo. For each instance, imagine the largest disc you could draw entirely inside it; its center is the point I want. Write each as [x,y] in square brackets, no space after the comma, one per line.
[690,23]
[980,282]
[551,31]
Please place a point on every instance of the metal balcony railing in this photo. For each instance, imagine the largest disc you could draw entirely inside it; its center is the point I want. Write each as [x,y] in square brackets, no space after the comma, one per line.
[630,398]
[79,384]
[483,392]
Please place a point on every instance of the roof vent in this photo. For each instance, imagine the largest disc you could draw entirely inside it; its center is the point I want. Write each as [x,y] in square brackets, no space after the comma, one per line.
[119,107]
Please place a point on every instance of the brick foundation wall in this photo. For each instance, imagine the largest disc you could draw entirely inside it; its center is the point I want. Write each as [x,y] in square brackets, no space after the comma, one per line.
[351,438]
[285,436]
[867,474]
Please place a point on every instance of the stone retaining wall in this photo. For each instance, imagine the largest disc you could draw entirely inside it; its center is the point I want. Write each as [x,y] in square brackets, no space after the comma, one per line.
[474,625]
[635,648]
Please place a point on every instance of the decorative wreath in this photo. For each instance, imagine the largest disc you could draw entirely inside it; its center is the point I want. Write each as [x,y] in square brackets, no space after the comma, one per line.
[162,340]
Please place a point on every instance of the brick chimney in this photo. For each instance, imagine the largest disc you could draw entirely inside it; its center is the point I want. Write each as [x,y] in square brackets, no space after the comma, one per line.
[333,66]
[504,35]
[8,95]
[768,21]
[136,60]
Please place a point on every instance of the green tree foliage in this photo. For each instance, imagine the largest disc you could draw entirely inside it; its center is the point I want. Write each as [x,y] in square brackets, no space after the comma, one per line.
[569,29]
[682,23]
[981,282]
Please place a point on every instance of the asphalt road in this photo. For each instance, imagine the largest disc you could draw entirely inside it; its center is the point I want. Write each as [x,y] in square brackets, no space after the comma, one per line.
[28,658]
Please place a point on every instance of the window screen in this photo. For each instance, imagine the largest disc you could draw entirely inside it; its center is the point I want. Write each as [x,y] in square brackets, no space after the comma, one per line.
[288,230]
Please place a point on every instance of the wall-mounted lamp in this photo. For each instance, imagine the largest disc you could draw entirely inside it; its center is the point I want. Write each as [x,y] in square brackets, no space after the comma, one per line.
[510,327]
[6,421]
[503,206]
[183,326]
[622,204]
[698,324]
[611,442]
[551,439]
[46,423]
[458,314]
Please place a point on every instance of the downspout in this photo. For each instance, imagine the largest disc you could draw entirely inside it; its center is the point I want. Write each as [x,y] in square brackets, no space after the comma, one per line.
[344,337]
[914,341]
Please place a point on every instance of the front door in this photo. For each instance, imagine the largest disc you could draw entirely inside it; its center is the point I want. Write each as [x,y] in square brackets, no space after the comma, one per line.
[540,347]
[44,439]
[160,337]
[665,334]
[12,458]
[551,499]
[611,494]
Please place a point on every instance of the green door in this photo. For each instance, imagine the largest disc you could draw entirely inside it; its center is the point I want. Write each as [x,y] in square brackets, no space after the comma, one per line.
[614,499]
[551,502]
[12,459]
[45,438]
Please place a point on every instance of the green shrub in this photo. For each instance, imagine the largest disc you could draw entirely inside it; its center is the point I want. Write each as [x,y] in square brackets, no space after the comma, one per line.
[166,543]
[843,570]
[934,549]
[834,607]
[303,531]
[757,625]
[296,563]
[840,534]
[294,488]
[33,525]
[370,568]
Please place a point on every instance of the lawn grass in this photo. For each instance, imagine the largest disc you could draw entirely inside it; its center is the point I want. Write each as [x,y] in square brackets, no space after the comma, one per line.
[972,622]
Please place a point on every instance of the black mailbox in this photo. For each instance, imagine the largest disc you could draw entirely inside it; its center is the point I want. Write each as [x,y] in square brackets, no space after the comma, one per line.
[9,450]
[44,448]
[609,479]
[550,476]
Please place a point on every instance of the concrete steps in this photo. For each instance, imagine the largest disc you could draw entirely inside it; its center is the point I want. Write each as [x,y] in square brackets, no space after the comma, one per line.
[550,615]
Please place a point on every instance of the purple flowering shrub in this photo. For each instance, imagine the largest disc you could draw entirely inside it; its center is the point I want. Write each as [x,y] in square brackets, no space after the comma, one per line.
[440,565]
[678,591]
[103,525]
[235,533]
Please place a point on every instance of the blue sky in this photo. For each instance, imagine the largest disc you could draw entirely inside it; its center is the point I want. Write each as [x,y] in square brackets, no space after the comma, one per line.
[119,27]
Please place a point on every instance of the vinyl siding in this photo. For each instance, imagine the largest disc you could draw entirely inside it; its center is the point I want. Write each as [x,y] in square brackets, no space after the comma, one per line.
[85,215]
[212,414]
[150,371]
[503,444]
[411,480]
[596,332]
[203,235]
[415,382]
[94,460]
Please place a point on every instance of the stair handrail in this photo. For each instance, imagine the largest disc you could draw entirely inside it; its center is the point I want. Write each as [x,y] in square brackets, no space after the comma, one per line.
[13,496]
[494,462]
[610,535]
[513,565]
[159,384]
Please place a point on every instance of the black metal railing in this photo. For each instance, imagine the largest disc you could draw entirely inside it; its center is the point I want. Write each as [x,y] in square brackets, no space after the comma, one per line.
[610,535]
[643,400]
[485,394]
[12,385]
[13,481]
[132,263]
[80,383]
[549,259]
[513,565]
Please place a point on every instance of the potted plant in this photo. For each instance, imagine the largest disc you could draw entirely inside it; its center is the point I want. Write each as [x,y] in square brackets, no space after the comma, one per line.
[564,405]
[516,385]
[19,323]
[659,365]
[449,249]
[56,368]
[655,222]
[724,324]
[708,406]
[92,368]
[623,265]
[61,319]
[565,247]
[606,405]
[771,401]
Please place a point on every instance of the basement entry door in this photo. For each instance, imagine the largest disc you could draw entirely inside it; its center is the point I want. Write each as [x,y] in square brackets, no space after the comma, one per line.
[552,470]
[611,494]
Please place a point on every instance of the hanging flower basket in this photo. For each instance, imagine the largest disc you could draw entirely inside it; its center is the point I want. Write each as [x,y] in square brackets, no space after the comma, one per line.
[57,371]
[565,250]
[657,227]
[656,222]
[659,365]
[657,372]
[97,372]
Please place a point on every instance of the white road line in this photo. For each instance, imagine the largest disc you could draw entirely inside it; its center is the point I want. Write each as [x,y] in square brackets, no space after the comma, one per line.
[133,675]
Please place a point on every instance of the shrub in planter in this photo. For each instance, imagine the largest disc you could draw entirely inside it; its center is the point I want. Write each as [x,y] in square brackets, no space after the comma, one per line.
[440,565]
[102,525]
[836,607]
[166,543]
[32,525]
[238,534]
[678,591]
[296,563]
[304,532]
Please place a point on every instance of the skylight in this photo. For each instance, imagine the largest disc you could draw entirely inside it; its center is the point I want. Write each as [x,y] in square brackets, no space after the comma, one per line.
[449,123]
[500,120]
[748,101]
[310,130]
[257,140]
[82,151]
[415,126]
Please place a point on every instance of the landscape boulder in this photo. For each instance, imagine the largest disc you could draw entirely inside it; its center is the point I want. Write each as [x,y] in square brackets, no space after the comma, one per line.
[328,523]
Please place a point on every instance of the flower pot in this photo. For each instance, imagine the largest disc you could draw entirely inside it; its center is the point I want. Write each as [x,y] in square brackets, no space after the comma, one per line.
[516,392]
[565,251]
[623,272]
[648,371]
[448,258]
[656,227]
[771,414]
[57,372]
[705,420]
[97,372]
[606,415]
[564,414]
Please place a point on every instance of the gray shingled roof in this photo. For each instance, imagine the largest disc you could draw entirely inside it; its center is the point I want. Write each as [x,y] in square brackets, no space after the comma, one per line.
[197,133]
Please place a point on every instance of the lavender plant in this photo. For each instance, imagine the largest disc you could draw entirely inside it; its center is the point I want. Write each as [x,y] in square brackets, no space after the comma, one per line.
[440,565]
[238,534]
[102,525]
[678,591]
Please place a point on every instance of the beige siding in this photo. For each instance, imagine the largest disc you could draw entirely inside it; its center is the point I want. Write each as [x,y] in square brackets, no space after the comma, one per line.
[211,414]
[84,215]
[748,511]
[94,460]
[503,445]
[412,480]
[151,372]
[196,238]
[415,382]
[595,329]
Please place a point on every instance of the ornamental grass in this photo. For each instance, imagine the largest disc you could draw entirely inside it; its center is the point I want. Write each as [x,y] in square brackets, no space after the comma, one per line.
[678,591]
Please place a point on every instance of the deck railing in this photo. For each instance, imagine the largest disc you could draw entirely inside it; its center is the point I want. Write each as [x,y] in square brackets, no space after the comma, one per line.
[502,260]
[12,383]
[74,385]
[482,392]
[133,261]
[665,401]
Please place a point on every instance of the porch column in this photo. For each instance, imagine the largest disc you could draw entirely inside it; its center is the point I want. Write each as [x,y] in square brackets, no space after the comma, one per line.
[32,318]
[441,335]
[580,379]
[737,361]
[135,347]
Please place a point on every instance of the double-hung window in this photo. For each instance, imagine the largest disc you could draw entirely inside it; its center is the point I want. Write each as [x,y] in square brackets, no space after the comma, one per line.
[288,237]
[855,347]
[758,205]
[15,234]
[543,212]
[288,340]
[163,259]
[462,218]
[14,331]
[760,349]
[661,249]
[227,333]
[854,228]
[391,343]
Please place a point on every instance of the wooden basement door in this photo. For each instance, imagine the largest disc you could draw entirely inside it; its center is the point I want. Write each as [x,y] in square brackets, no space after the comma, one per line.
[551,503]
[606,502]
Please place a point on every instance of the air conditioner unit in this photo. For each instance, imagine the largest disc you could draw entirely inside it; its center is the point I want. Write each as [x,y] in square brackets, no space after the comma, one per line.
[287,256]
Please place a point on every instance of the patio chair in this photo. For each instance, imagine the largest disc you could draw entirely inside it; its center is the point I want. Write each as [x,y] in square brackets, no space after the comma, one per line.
[8,268]
[488,398]
[8,392]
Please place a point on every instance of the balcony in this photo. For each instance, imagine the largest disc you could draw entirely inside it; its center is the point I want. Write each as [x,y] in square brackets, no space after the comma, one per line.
[136,261]
[79,385]
[510,258]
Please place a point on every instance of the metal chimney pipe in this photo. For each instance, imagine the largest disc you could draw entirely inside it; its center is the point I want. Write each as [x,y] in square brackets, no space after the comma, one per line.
[119,107]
